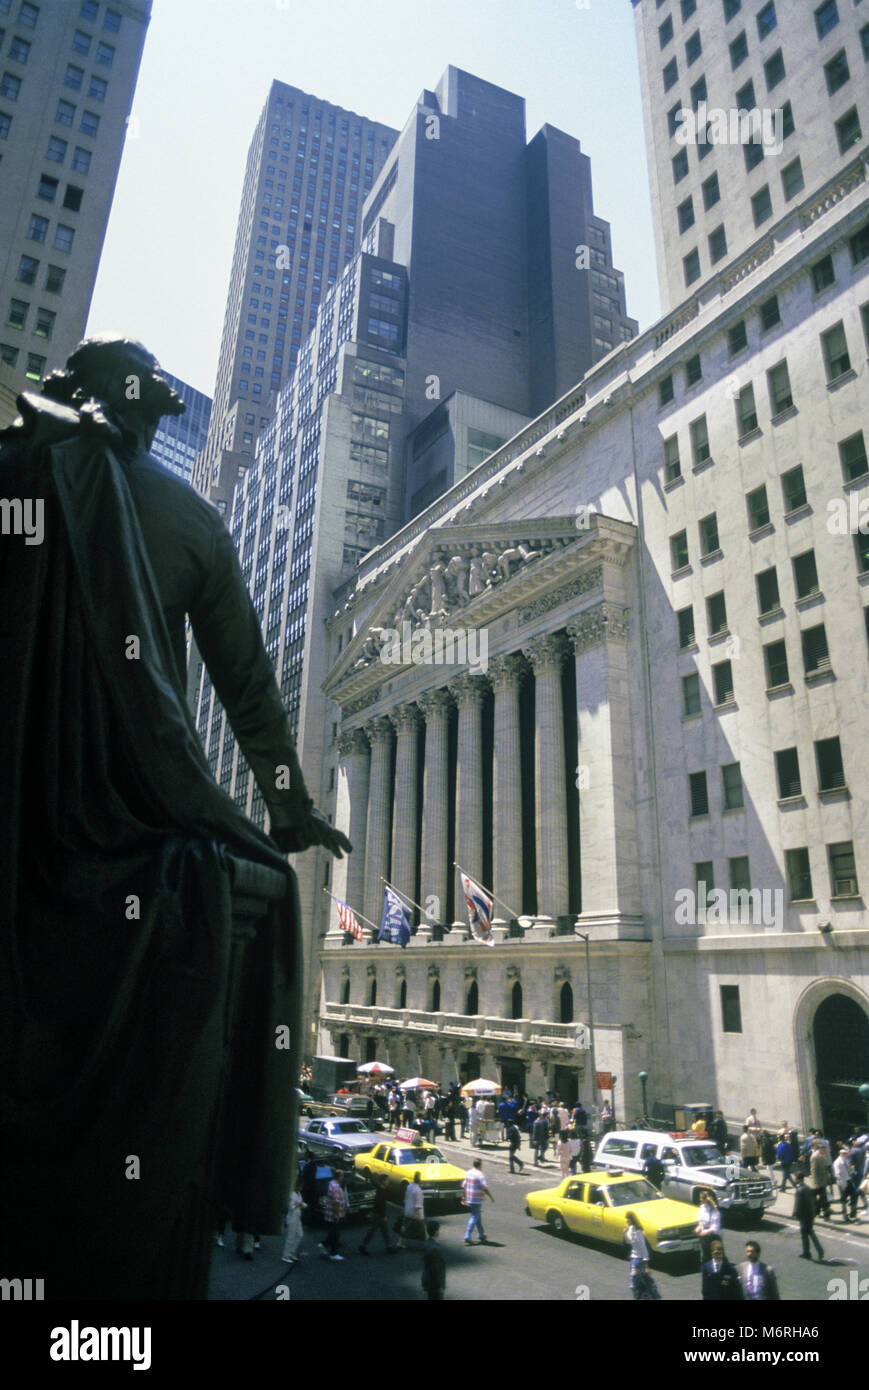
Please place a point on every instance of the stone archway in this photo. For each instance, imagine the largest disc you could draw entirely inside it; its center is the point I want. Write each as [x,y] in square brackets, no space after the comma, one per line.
[814,1026]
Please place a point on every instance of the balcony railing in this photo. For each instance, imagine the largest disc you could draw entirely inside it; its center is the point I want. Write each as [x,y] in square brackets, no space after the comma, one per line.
[483,1027]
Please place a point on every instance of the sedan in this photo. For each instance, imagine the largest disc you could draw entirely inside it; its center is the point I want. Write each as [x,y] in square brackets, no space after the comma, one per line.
[440,1181]
[597,1204]
[336,1138]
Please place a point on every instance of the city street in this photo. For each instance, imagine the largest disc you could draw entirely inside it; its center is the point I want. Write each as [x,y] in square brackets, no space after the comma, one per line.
[525,1259]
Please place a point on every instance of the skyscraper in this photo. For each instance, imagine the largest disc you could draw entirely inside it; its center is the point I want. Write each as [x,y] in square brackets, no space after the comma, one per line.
[745,107]
[67,77]
[309,168]
[449,327]
[179,438]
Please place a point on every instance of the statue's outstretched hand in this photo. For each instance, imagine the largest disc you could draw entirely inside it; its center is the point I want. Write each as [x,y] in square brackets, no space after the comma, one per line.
[314,829]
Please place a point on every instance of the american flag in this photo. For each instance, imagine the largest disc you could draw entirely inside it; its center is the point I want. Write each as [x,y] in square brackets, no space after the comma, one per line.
[479,909]
[347,918]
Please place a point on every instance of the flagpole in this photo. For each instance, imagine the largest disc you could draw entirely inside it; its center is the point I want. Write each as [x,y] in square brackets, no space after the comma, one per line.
[367,920]
[406,896]
[505,906]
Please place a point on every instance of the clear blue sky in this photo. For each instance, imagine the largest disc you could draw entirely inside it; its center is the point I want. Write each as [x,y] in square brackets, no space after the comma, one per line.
[205,73]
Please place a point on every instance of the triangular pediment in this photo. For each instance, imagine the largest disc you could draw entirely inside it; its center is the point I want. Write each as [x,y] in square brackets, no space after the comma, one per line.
[468,575]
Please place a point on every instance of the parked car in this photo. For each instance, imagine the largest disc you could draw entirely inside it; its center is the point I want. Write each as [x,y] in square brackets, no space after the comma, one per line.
[304,1102]
[440,1181]
[360,1194]
[690,1167]
[596,1205]
[337,1137]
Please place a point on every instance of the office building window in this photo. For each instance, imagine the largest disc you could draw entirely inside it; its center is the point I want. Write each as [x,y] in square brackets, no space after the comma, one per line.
[779,385]
[737,338]
[27,268]
[665,32]
[843,870]
[793,488]
[679,550]
[758,508]
[685,626]
[63,237]
[672,465]
[792,179]
[816,653]
[752,154]
[9,354]
[81,160]
[665,390]
[57,149]
[835,348]
[28,14]
[670,74]
[698,93]
[81,41]
[693,370]
[732,798]
[848,130]
[799,875]
[112,21]
[44,323]
[770,314]
[708,528]
[776,659]
[73,77]
[72,197]
[17,316]
[722,677]
[761,205]
[35,366]
[731,8]
[65,113]
[693,48]
[10,86]
[852,456]
[54,279]
[746,412]
[698,794]
[97,88]
[768,600]
[805,574]
[699,440]
[680,166]
[19,50]
[787,771]
[691,694]
[826,18]
[37,228]
[105,54]
[711,192]
[691,264]
[738,50]
[5,125]
[685,215]
[823,274]
[717,244]
[47,188]
[731,1012]
[774,70]
[766,20]
[830,769]
[716,614]
[739,873]
[90,123]
[836,72]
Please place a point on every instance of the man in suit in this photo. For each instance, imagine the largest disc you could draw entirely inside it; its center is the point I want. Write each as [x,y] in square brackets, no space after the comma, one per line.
[804,1212]
[721,1282]
[758,1280]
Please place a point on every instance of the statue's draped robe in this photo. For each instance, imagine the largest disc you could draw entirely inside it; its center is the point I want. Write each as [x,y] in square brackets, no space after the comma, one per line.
[115,910]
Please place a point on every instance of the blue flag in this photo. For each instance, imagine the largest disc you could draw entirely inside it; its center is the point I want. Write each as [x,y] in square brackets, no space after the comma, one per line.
[395,922]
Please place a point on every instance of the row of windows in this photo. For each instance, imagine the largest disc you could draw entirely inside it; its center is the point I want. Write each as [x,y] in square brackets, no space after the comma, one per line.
[38,231]
[65,115]
[28,267]
[27,14]
[841,867]
[828,765]
[18,314]
[103,53]
[74,78]
[111,19]
[34,363]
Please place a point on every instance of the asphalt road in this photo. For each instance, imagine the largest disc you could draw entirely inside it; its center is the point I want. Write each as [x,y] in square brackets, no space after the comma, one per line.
[525,1260]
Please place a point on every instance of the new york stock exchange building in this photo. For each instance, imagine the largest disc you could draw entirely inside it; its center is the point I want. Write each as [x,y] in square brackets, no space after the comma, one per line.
[595,676]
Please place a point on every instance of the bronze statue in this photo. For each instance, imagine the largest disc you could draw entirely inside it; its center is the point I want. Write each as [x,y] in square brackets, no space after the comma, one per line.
[117,955]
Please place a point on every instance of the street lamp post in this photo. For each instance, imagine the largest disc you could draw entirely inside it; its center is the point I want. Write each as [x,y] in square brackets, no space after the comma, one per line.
[643,1078]
[590,1026]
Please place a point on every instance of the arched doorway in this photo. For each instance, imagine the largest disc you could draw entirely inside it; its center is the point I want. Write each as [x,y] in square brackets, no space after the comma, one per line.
[565,1003]
[472,1004]
[840,1032]
[516,1001]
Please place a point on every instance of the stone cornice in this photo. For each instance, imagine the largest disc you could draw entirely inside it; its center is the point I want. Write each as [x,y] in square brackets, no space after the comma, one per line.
[604,623]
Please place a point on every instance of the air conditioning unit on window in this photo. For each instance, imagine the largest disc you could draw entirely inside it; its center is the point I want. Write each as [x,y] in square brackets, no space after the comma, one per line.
[846,887]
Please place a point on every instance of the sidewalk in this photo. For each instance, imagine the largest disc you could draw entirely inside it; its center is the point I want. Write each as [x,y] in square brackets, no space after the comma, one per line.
[463,1153]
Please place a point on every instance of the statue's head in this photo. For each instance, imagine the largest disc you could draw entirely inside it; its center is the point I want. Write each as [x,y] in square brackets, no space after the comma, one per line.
[121,375]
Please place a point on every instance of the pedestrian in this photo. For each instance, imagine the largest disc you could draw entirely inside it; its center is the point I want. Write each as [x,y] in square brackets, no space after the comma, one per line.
[462,1110]
[393,1109]
[804,1212]
[721,1283]
[766,1147]
[606,1117]
[541,1138]
[857,1164]
[434,1270]
[475,1189]
[554,1124]
[758,1281]
[293,1236]
[752,1122]
[580,1118]
[378,1217]
[718,1132]
[748,1150]
[708,1225]
[639,1255]
[586,1157]
[514,1139]
[654,1170]
[335,1210]
[575,1148]
[785,1156]
[413,1225]
[819,1169]
[530,1121]
[562,1153]
[842,1175]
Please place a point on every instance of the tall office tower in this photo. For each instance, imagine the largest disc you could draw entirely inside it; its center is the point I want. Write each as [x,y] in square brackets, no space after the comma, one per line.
[464,308]
[309,168]
[181,437]
[67,76]
[747,108]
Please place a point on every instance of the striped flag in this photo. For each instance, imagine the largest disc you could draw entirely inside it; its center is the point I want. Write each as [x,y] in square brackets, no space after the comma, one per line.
[348,920]
[479,910]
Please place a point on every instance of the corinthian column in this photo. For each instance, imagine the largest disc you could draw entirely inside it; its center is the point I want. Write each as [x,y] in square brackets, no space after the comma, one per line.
[469,692]
[406,721]
[546,655]
[505,674]
[379,733]
[351,815]
[435,705]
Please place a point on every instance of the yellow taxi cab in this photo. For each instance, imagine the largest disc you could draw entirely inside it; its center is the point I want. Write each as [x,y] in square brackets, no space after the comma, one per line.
[597,1204]
[405,1155]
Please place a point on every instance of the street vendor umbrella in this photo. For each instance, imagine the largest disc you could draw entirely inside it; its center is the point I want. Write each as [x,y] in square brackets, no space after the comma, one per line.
[481,1087]
[417,1083]
[375,1069]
